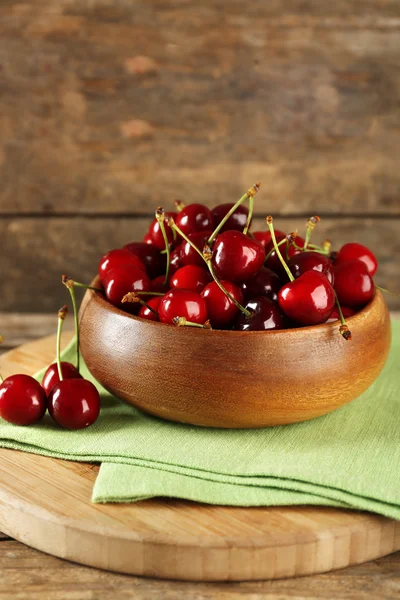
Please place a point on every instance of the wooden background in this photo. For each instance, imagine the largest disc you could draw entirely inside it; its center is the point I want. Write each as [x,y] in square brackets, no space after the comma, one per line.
[109,108]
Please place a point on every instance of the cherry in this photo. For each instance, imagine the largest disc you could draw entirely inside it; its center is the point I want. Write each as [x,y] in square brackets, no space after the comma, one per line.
[311,261]
[22,400]
[191,277]
[121,280]
[265,237]
[353,285]
[264,283]
[221,310]
[50,378]
[158,284]
[194,217]
[265,314]
[117,258]
[237,221]
[354,251]
[74,403]
[149,311]
[287,251]
[147,239]
[153,260]
[308,300]
[175,260]
[237,257]
[155,235]
[335,316]
[182,303]
[188,255]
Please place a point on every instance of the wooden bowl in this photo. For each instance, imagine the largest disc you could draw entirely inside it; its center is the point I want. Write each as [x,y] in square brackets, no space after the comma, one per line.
[232,378]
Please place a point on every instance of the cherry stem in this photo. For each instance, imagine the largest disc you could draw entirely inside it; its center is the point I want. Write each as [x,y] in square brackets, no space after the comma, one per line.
[311,223]
[343,329]
[251,192]
[271,229]
[244,310]
[175,227]
[250,215]
[378,287]
[1,341]
[70,284]
[273,249]
[132,297]
[160,216]
[183,322]
[62,313]
[179,205]
[149,293]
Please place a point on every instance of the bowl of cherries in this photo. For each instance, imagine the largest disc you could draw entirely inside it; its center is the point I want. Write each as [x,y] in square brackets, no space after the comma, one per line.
[210,323]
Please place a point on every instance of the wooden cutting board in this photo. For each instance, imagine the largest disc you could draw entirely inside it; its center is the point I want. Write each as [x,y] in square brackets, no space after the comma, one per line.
[45,503]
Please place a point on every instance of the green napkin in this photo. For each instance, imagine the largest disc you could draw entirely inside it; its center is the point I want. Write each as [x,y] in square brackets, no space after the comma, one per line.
[350,458]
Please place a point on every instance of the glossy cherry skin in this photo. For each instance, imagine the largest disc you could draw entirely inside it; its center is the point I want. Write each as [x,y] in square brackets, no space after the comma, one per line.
[237,257]
[23,401]
[153,260]
[353,285]
[50,378]
[346,311]
[188,255]
[175,260]
[273,262]
[354,251]
[195,217]
[74,403]
[265,236]
[191,277]
[221,310]
[154,234]
[158,284]
[308,300]
[264,283]
[120,281]
[266,315]
[310,261]
[182,303]
[236,221]
[117,258]
[146,313]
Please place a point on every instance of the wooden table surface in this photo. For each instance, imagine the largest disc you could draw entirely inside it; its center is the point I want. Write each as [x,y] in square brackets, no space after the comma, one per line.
[27,573]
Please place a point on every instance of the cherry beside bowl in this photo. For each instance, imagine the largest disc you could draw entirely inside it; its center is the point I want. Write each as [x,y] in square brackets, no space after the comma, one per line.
[232,379]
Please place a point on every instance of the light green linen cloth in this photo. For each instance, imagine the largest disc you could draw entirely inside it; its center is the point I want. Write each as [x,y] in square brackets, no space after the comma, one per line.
[350,458]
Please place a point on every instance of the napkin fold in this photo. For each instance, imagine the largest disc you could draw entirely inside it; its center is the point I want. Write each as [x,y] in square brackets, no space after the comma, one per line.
[349,458]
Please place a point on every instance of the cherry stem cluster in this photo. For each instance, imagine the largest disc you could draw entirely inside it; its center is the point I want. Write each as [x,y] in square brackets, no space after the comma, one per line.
[62,313]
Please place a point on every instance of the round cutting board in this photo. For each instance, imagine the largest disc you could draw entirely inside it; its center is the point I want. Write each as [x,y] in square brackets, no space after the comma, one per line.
[45,503]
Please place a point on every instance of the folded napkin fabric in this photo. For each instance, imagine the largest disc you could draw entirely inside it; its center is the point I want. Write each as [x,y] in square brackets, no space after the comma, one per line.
[349,458]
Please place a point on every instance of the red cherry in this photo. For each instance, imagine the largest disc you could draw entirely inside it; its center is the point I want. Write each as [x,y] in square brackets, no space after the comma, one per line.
[50,378]
[266,315]
[221,310]
[22,400]
[237,257]
[117,258]
[273,261]
[265,236]
[188,255]
[353,285]
[147,239]
[195,217]
[264,283]
[158,284]
[153,260]
[175,260]
[182,303]
[308,300]
[236,221]
[311,261]
[74,403]
[191,277]
[155,236]
[354,251]
[146,313]
[121,280]
[346,311]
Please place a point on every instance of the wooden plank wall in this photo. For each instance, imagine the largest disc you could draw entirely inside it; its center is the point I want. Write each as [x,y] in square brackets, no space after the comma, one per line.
[109,108]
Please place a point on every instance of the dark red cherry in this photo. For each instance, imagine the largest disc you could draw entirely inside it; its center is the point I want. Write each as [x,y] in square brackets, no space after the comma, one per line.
[22,400]
[310,261]
[266,315]
[146,313]
[50,378]
[153,260]
[121,280]
[158,284]
[221,310]
[175,260]
[155,236]
[236,221]
[195,217]
[147,239]
[191,277]
[308,300]
[265,236]
[264,283]
[182,303]
[188,254]
[74,403]
[354,251]
[237,257]
[273,262]
[353,285]
[117,258]
[346,311]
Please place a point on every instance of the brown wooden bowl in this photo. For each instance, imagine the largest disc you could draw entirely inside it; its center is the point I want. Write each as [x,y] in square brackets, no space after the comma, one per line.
[232,378]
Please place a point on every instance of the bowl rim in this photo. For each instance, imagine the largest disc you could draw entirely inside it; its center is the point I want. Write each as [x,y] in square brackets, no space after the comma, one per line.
[100,299]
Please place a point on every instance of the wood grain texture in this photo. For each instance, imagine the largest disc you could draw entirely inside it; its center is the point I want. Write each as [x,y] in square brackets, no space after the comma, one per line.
[106,104]
[45,503]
